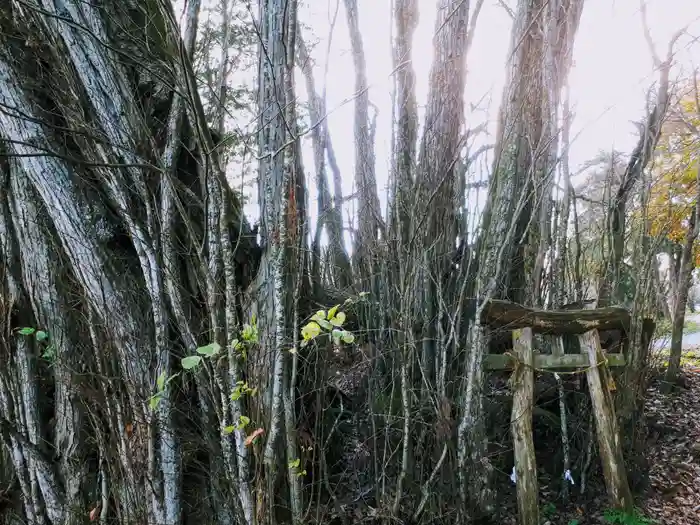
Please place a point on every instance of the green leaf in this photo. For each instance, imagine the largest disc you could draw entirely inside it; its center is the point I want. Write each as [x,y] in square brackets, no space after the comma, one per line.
[153,401]
[189,362]
[348,337]
[245,420]
[236,394]
[320,315]
[337,335]
[250,333]
[325,324]
[229,429]
[41,335]
[209,350]
[332,312]
[295,463]
[310,331]
[27,330]
[161,380]
[339,319]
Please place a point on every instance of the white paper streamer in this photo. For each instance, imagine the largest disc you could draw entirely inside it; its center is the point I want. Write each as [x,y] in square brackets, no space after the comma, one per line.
[568,477]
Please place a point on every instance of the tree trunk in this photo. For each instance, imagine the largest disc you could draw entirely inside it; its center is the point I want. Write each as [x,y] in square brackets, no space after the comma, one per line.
[101,233]
[682,286]
[283,266]
[369,213]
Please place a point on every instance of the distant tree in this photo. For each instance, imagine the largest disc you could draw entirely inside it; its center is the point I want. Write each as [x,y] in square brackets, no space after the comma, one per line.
[674,207]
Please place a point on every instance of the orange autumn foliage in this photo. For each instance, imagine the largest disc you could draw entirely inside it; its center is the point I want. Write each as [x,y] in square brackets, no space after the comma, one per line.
[674,191]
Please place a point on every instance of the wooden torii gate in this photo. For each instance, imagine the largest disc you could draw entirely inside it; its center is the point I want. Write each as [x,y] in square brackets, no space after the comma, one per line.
[592,359]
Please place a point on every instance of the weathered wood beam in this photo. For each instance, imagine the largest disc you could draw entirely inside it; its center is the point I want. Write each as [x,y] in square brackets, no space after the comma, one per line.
[549,361]
[504,314]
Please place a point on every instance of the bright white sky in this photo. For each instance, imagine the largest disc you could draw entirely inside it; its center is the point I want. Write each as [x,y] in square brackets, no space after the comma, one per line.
[611,74]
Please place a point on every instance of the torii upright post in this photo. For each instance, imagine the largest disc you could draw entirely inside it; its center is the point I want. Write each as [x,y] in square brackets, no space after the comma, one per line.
[606,424]
[523,384]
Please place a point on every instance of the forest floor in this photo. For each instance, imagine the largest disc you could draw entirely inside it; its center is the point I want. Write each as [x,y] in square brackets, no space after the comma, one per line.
[673,495]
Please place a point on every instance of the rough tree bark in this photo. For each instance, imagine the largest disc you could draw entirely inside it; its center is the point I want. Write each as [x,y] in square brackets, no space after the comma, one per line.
[102,225]
[282,199]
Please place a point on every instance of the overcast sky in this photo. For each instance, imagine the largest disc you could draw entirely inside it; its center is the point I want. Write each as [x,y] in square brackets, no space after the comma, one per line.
[611,74]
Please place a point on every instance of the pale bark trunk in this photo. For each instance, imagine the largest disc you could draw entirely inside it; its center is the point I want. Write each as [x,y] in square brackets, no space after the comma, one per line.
[406,116]
[283,224]
[369,212]
[62,218]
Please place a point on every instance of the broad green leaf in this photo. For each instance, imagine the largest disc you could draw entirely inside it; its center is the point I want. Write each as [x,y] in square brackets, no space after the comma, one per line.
[337,335]
[27,330]
[229,429]
[153,401]
[209,350]
[325,324]
[339,319]
[245,420]
[332,312]
[41,335]
[161,380]
[310,331]
[295,463]
[348,337]
[189,362]
[321,314]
